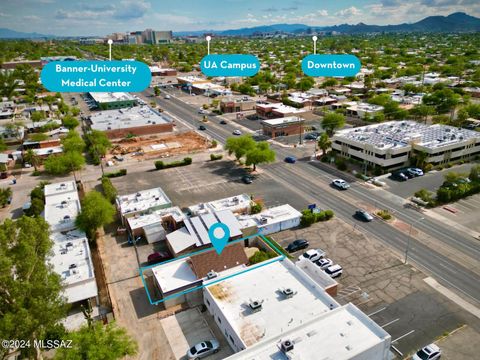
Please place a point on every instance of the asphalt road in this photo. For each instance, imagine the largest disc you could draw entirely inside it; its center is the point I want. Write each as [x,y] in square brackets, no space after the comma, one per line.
[311,182]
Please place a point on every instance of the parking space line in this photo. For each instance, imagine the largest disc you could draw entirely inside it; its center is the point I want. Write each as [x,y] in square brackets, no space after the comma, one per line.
[377,311]
[389,323]
[404,335]
[396,350]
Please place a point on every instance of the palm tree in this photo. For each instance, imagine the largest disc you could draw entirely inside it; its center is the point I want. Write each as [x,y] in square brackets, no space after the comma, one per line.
[324,143]
[32,158]
[8,84]
[5,194]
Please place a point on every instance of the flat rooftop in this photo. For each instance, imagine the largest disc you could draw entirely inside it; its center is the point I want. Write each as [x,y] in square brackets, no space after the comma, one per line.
[285,120]
[127,118]
[174,275]
[142,201]
[108,97]
[73,262]
[398,134]
[278,314]
[270,216]
[156,216]
[62,205]
[340,334]
[234,203]
[281,108]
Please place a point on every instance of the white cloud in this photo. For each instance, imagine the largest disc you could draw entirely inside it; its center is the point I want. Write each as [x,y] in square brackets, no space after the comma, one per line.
[31,18]
[349,12]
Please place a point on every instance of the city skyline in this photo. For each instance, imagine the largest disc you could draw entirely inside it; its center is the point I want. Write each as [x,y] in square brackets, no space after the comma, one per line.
[81,18]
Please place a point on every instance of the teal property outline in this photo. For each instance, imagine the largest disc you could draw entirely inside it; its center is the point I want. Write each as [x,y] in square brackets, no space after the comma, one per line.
[280,257]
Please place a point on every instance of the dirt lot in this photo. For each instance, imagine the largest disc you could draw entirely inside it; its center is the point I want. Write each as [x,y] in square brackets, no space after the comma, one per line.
[379,283]
[155,146]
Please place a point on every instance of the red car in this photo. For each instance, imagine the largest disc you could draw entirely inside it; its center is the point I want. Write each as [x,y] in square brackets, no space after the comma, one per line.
[158,257]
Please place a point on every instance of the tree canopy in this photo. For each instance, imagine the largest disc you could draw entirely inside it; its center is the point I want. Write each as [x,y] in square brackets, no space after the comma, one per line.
[98,342]
[96,212]
[333,121]
[30,291]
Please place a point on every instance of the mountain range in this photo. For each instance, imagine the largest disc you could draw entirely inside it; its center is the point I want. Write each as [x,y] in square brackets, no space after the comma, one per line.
[456,22]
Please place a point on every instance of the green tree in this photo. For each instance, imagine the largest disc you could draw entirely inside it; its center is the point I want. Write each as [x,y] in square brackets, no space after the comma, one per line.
[75,111]
[73,142]
[38,137]
[5,194]
[324,142]
[260,154]
[98,342]
[3,146]
[66,163]
[32,158]
[475,173]
[37,116]
[98,142]
[239,145]
[70,122]
[333,121]
[96,212]
[305,83]
[30,301]
[156,90]
[8,84]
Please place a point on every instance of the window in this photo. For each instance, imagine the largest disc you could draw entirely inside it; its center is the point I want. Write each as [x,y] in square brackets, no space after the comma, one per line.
[219,320]
[208,302]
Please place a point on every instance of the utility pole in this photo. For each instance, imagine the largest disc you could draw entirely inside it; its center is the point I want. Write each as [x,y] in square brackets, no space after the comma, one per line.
[409,236]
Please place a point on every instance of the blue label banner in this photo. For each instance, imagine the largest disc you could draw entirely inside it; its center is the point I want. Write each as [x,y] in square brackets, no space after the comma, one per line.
[96,76]
[229,65]
[331,65]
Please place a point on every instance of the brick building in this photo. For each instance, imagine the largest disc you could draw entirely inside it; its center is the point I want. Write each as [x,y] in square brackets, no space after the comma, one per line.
[292,125]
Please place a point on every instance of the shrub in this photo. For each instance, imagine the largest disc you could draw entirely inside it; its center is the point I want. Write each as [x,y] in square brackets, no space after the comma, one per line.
[307,219]
[320,216]
[424,194]
[214,143]
[341,164]
[214,157]
[162,165]
[329,214]
[255,208]
[384,214]
[377,171]
[121,172]
[108,189]
[428,167]
[260,256]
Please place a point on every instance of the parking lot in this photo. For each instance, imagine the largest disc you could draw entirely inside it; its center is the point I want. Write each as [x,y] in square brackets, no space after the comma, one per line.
[207,181]
[377,281]
[430,181]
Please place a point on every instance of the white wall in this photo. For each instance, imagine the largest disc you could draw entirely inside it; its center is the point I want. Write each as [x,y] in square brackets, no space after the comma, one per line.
[224,325]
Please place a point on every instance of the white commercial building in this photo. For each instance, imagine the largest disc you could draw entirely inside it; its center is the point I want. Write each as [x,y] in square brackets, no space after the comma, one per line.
[278,303]
[391,144]
[363,109]
[71,257]
[271,220]
[142,202]
[239,204]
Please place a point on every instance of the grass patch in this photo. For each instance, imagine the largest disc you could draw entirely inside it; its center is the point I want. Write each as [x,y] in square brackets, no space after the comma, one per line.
[277,247]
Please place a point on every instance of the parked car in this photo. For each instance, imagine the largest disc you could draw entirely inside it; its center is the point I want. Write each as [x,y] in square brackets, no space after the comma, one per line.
[203,349]
[290,160]
[324,263]
[237,132]
[118,158]
[311,136]
[296,245]
[363,215]
[334,271]
[202,111]
[202,127]
[341,184]
[223,122]
[313,254]
[415,171]
[158,256]
[399,176]
[247,179]
[429,352]
[167,97]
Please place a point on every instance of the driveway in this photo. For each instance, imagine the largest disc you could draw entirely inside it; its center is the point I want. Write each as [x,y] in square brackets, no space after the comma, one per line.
[189,327]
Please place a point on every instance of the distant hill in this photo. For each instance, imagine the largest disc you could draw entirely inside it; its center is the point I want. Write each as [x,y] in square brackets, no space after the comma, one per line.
[456,22]
[12,34]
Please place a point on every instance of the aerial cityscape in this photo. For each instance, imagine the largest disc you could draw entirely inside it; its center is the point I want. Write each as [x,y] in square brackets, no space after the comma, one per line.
[240,180]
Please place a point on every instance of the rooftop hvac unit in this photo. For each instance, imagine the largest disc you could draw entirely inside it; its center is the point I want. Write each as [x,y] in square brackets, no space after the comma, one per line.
[263,220]
[211,274]
[235,199]
[286,346]
[255,305]
[288,292]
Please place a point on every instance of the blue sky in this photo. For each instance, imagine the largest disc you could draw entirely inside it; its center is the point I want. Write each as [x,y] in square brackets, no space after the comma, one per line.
[100,17]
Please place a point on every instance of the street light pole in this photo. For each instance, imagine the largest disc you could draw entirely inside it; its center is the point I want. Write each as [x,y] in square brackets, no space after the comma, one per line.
[409,236]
